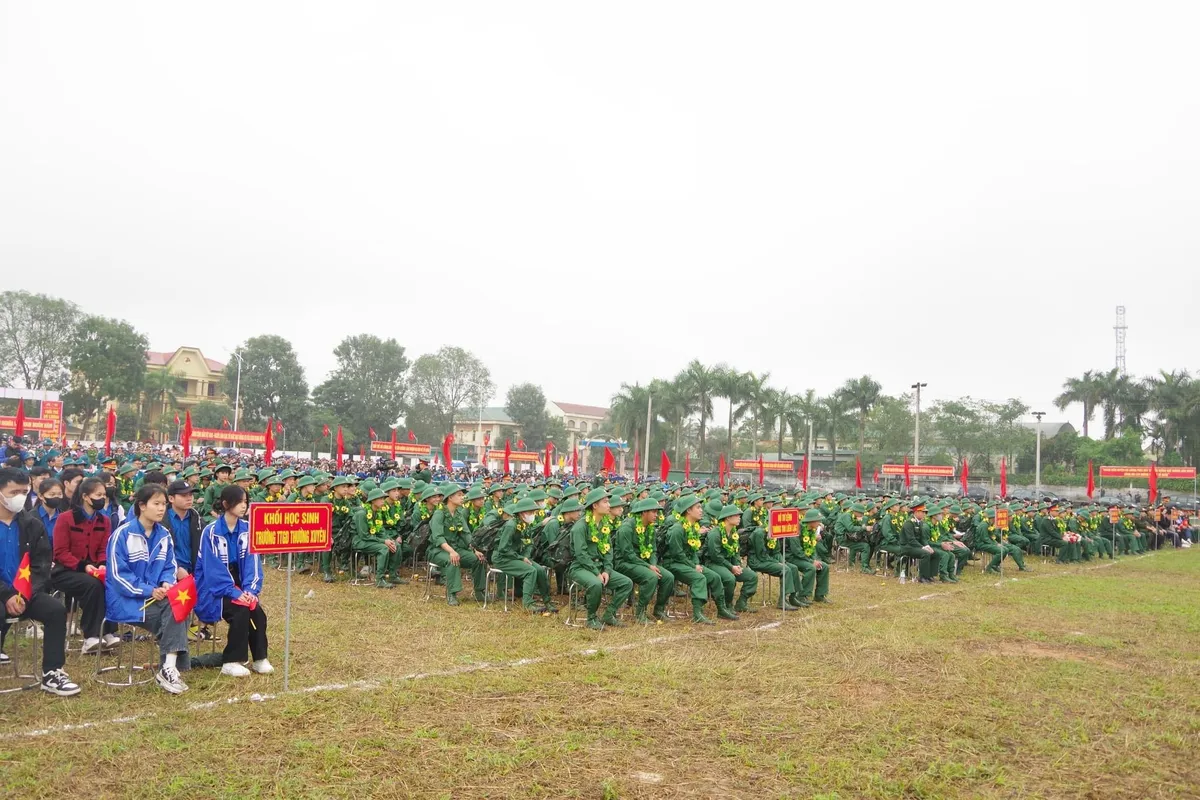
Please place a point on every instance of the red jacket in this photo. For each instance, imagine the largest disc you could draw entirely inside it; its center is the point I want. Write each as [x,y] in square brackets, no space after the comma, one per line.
[79,541]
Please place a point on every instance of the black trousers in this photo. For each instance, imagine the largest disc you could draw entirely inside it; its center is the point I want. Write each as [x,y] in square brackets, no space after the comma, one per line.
[88,594]
[53,615]
[247,630]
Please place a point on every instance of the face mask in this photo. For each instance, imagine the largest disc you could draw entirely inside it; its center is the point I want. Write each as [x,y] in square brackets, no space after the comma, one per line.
[16,504]
[527,518]
[57,503]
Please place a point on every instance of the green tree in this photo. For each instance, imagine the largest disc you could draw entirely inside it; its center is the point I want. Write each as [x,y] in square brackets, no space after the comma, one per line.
[959,425]
[734,386]
[158,389]
[1087,390]
[675,402]
[208,414]
[836,421]
[890,425]
[367,389]
[35,339]
[272,383]
[107,363]
[450,379]
[757,395]
[862,394]
[526,404]
[628,414]
[703,383]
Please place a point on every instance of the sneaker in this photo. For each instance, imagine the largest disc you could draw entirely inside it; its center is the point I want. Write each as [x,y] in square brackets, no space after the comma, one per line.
[234,670]
[91,647]
[56,682]
[262,667]
[4,659]
[168,678]
[110,641]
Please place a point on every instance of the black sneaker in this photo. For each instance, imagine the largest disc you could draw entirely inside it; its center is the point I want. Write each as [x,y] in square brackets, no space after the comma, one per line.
[56,682]
[4,659]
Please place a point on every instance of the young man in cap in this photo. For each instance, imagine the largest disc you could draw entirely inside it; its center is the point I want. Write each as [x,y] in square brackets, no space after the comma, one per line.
[685,539]
[914,542]
[450,542]
[852,534]
[722,554]
[592,566]
[221,475]
[568,513]
[635,556]
[343,525]
[371,538]
[513,556]
[813,571]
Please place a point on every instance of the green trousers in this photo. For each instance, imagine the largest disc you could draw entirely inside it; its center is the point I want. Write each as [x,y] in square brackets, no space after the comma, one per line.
[701,585]
[999,551]
[924,560]
[813,582]
[649,585]
[453,574]
[386,562]
[529,579]
[729,582]
[593,590]
[789,576]
[1104,546]
[861,551]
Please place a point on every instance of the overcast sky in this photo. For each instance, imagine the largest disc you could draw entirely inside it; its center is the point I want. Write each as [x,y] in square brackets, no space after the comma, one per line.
[585,194]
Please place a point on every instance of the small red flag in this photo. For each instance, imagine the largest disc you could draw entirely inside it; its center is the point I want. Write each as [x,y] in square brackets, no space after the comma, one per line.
[110,430]
[393,444]
[487,438]
[1091,484]
[362,451]
[224,423]
[176,417]
[20,426]
[762,475]
[268,442]
[721,471]
[546,465]
[23,583]
[507,453]
[575,462]
[521,444]
[182,597]
[446,442]
[609,463]
[907,476]
[412,437]
[875,476]
[341,448]
[1003,477]
[372,432]
[857,473]
[186,439]
[687,466]
[966,471]
[1153,482]
[278,426]
[324,430]
[804,472]
[664,467]
[637,460]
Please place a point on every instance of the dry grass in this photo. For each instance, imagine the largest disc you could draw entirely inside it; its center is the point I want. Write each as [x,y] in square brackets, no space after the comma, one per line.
[1074,683]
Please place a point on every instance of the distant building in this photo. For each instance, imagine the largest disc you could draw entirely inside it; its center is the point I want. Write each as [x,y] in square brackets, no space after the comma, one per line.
[471,428]
[580,421]
[1049,429]
[197,380]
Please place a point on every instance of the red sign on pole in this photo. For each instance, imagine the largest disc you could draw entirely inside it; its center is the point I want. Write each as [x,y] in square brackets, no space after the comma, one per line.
[291,528]
[1002,519]
[784,523]
[1114,515]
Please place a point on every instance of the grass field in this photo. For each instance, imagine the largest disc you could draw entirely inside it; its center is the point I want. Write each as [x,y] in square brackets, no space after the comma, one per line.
[1070,682]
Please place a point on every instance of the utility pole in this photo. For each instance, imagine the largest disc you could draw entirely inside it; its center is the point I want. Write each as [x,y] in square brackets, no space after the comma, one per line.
[237,392]
[646,450]
[1037,458]
[917,429]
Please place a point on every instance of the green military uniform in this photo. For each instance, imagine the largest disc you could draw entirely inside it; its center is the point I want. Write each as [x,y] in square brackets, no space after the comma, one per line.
[514,557]
[372,539]
[722,554]
[766,557]
[852,535]
[448,532]
[591,544]
[635,557]
[343,530]
[550,533]
[813,582]
[914,537]
[891,521]
[991,541]
[684,542]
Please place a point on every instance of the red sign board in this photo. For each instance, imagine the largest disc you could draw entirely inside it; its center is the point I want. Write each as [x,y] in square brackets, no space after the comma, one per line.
[291,527]
[1114,515]
[1164,473]
[750,464]
[922,470]
[218,435]
[47,427]
[1002,519]
[784,522]
[519,456]
[402,448]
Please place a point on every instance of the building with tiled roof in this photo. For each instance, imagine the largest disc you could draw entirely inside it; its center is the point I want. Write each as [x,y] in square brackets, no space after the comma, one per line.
[197,380]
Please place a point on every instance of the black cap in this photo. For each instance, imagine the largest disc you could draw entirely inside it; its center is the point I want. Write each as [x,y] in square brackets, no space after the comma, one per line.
[180,487]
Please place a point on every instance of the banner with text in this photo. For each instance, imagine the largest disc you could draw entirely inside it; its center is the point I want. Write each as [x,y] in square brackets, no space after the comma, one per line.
[784,522]
[919,470]
[1164,473]
[291,527]
[402,448]
[218,435]
[751,464]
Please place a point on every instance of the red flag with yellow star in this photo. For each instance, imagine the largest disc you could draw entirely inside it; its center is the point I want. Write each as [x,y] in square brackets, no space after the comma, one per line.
[182,597]
[22,583]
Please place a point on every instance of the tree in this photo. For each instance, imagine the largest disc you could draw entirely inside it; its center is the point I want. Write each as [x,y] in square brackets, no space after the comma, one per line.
[890,425]
[208,414]
[367,389]
[779,407]
[862,393]
[702,381]
[107,363]
[1086,390]
[675,402]
[526,404]
[448,380]
[272,383]
[628,414]
[835,421]
[959,425]
[35,339]
[756,396]
[734,386]
[158,388]
[806,408]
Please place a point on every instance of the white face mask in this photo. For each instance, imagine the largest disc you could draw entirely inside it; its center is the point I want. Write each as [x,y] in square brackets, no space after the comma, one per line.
[527,517]
[16,504]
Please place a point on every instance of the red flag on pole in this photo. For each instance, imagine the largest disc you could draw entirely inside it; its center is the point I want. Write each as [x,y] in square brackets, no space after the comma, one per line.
[225,423]
[182,598]
[20,426]
[1153,482]
[278,426]
[665,467]
[487,438]
[575,462]
[637,460]
[268,442]
[507,455]
[907,477]
[546,466]
[393,444]
[857,473]
[412,437]
[176,417]
[325,430]
[362,451]
[1003,477]
[762,475]
[110,430]
[186,439]
[520,444]
[1091,484]
[721,471]
[23,583]
[372,432]
[64,440]
[446,442]
[964,474]
[875,476]
[804,472]
[610,463]
[341,448]
[687,466]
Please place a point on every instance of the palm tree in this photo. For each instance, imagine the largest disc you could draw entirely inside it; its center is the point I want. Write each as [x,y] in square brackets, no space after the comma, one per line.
[1088,390]
[862,393]
[1109,394]
[807,409]
[159,386]
[835,421]
[756,396]
[702,382]
[734,387]
[675,401]
[628,415]
[1168,397]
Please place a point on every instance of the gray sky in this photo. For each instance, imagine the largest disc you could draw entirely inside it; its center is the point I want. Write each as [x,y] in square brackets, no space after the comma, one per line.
[959,193]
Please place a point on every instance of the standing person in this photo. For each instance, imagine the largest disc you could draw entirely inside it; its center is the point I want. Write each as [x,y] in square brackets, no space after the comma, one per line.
[141,568]
[228,581]
[684,542]
[21,534]
[636,557]
[80,550]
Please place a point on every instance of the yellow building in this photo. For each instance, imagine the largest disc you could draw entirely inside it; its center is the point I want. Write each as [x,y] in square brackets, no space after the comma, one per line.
[197,380]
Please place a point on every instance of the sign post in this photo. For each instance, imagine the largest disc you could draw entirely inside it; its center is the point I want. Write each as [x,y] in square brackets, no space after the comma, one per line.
[1114,516]
[1002,526]
[278,528]
[784,523]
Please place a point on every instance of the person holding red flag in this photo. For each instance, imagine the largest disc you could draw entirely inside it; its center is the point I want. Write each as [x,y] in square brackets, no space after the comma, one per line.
[141,568]
[25,580]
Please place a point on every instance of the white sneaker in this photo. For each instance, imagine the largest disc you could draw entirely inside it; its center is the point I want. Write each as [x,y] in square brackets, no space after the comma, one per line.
[4,659]
[262,667]
[168,678]
[90,647]
[110,640]
[234,670]
[56,682]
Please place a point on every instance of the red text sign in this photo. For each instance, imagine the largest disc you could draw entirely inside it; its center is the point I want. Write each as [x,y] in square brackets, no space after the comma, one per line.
[1164,473]
[1002,519]
[291,527]
[784,522]
[402,448]
[924,470]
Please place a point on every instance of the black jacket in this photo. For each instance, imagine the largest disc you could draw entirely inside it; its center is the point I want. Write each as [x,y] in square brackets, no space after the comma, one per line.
[33,540]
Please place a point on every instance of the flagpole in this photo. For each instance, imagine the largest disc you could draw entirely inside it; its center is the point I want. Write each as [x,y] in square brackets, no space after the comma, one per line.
[646,457]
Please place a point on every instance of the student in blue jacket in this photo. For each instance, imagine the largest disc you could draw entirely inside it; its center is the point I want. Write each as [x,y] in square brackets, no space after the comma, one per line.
[228,580]
[141,567]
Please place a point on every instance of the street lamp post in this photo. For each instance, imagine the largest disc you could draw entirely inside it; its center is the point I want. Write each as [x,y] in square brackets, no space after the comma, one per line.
[917,428]
[1037,458]
[237,392]
[646,452]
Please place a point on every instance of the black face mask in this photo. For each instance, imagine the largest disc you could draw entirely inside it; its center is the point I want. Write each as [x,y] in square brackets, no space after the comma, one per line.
[56,503]
[111,491]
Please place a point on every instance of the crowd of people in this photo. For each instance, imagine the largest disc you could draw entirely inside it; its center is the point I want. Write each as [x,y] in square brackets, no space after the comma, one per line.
[113,534]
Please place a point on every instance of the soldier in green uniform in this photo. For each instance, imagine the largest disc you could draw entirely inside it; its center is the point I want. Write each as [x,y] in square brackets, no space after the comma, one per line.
[371,539]
[991,541]
[914,542]
[514,556]
[221,476]
[422,473]
[804,556]
[635,557]
[722,554]
[273,490]
[765,556]
[568,513]
[685,539]
[450,542]
[343,525]
[592,565]
[851,533]
[891,520]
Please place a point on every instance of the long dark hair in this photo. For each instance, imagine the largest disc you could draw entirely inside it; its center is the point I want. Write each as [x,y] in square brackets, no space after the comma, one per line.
[145,495]
[86,487]
[229,498]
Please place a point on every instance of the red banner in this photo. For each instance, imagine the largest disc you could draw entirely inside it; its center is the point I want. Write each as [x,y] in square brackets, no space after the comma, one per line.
[751,465]
[784,523]
[218,435]
[33,425]
[291,527]
[402,449]
[925,470]
[1002,519]
[516,455]
[1164,473]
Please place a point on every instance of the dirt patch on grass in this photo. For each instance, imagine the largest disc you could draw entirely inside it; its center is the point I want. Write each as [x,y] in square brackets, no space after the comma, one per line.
[1027,650]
